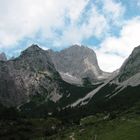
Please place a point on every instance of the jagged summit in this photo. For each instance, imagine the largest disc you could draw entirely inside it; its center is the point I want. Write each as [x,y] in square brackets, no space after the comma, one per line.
[34,52]
[33,48]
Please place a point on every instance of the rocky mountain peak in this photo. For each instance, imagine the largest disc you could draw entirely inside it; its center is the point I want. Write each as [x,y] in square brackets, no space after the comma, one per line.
[137,49]
[80,50]
[131,66]
[32,49]
[3,56]
[76,46]
[37,58]
[77,62]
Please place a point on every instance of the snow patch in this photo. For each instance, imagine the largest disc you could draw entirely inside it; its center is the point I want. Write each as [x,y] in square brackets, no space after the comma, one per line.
[70,78]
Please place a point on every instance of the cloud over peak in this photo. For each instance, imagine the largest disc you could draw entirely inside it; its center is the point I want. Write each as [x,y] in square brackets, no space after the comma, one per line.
[60,23]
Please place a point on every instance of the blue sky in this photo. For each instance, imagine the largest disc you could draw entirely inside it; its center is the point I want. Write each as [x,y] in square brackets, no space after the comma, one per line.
[110,27]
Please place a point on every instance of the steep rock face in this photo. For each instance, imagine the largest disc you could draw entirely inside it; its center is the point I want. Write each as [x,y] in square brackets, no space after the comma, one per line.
[131,66]
[31,73]
[3,57]
[79,62]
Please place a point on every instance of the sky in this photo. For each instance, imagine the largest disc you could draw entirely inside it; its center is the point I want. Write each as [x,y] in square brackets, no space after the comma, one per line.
[110,27]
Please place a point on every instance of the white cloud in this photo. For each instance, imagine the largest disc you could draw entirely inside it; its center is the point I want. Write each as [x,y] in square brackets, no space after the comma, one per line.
[109,62]
[96,23]
[114,50]
[25,18]
[138,3]
[75,9]
[43,47]
[113,9]
[96,26]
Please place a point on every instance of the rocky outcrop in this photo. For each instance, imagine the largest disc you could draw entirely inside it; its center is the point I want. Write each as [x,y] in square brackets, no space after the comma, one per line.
[31,73]
[131,66]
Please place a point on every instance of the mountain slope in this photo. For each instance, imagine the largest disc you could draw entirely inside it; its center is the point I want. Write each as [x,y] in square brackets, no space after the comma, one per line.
[32,78]
[131,65]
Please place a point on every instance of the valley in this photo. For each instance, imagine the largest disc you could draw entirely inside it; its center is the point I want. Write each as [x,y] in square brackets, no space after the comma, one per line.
[48,95]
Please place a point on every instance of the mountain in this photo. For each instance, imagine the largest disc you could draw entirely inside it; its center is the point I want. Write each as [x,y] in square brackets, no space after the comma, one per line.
[33,82]
[32,78]
[26,75]
[36,103]
[77,62]
[3,57]
[131,66]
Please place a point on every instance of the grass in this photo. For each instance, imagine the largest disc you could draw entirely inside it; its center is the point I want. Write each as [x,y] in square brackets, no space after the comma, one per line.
[27,129]
[123,127]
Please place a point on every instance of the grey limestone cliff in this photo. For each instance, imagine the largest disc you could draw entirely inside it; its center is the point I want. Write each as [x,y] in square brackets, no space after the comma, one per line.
[29,74]
[78,62]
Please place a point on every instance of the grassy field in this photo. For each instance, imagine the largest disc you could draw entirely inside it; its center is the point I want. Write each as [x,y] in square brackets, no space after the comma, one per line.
[96,128]
[100,127]
[28,129]
[116,125]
